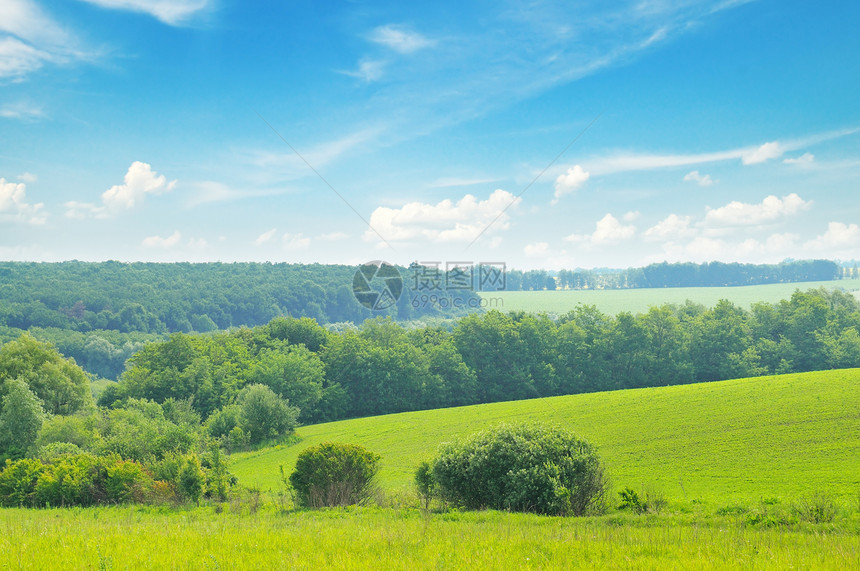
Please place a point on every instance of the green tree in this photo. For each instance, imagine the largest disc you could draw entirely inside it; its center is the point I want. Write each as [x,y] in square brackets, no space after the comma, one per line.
[264,414]
[62,386]
[21,418]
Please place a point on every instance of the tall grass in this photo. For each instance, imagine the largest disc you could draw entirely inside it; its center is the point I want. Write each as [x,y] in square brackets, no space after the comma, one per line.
[134,538]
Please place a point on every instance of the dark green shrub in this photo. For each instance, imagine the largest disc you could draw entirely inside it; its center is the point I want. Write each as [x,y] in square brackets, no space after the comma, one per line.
[264,414]
[650,500]
[191,479]
[18,482]
[529,467]
[333,474]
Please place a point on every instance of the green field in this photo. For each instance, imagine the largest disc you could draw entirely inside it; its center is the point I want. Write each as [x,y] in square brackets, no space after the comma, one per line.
[732,458]
[716,443]
[373,538]
[613,301]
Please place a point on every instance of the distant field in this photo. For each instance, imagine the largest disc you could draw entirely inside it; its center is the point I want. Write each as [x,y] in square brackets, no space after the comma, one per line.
[739,440]
[613,301]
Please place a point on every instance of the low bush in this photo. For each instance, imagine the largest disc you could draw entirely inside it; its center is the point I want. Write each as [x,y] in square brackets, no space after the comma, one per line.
[333,474]
[528,468]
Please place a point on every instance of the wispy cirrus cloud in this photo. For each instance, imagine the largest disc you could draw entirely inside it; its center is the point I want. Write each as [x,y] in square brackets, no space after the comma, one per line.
[171,12]
[400,39]
[30,38]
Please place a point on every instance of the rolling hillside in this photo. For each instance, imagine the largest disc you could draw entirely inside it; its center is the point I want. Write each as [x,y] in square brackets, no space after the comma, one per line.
[745,439]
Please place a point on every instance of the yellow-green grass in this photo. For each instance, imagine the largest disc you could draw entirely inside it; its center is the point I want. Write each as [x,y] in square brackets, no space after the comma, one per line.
[132,538]
[613,301]
[731,441]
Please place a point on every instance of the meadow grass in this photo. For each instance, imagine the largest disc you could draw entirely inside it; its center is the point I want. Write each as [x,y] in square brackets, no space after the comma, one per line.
[614,301]
[721,444]
[358,538]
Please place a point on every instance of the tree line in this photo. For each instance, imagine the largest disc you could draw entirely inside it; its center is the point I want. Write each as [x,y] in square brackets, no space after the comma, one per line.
[710,274]
[383,367]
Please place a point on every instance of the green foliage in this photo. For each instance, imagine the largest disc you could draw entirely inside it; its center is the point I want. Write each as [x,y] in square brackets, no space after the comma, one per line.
[650,501]
[333,474]
[264,414]
[424,483]
[62,386]
[21,418]
[527,467]
[72,480]
[191,480]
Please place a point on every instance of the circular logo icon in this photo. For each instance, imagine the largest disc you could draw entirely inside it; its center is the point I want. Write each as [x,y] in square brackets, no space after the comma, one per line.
[377,285]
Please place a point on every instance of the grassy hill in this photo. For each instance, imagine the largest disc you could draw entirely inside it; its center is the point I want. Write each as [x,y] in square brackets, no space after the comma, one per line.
[613,301]
[745,439]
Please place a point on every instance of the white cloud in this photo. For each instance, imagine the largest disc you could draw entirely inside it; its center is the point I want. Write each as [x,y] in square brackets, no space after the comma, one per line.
[608,230]
[368,70]
[570,181]
[837,237]
[166,242]
[29,38]
[446,182]
[171,12]
[698,178]
[537,250]
[671,227]
[295,241]
[265,237]
[631,216]
[445,221]
[771,209]
[14,205]
[399,39]
[139,181]
[763,153]
[802,160]
[28,177]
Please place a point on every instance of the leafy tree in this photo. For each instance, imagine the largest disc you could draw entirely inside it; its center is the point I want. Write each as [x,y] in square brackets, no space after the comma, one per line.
[21,418]
[264,414]
[295,373]
[62,386]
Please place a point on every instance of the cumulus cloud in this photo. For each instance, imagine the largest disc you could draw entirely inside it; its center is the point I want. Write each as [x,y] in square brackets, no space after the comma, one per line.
[763,153]
[769,210]
[671,227]
[14,205]
[608,230]
[570,181]
[139,181]
[399,39]
[698,178]
[837,237]
[265,237]
[163,242]
[802,160]
[445,221]
[171,12]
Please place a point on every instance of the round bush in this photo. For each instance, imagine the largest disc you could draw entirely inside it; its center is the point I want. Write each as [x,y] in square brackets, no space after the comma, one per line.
[527,468]
[333,474]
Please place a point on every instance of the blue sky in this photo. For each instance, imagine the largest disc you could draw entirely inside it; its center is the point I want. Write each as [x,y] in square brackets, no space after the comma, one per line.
[161,130]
